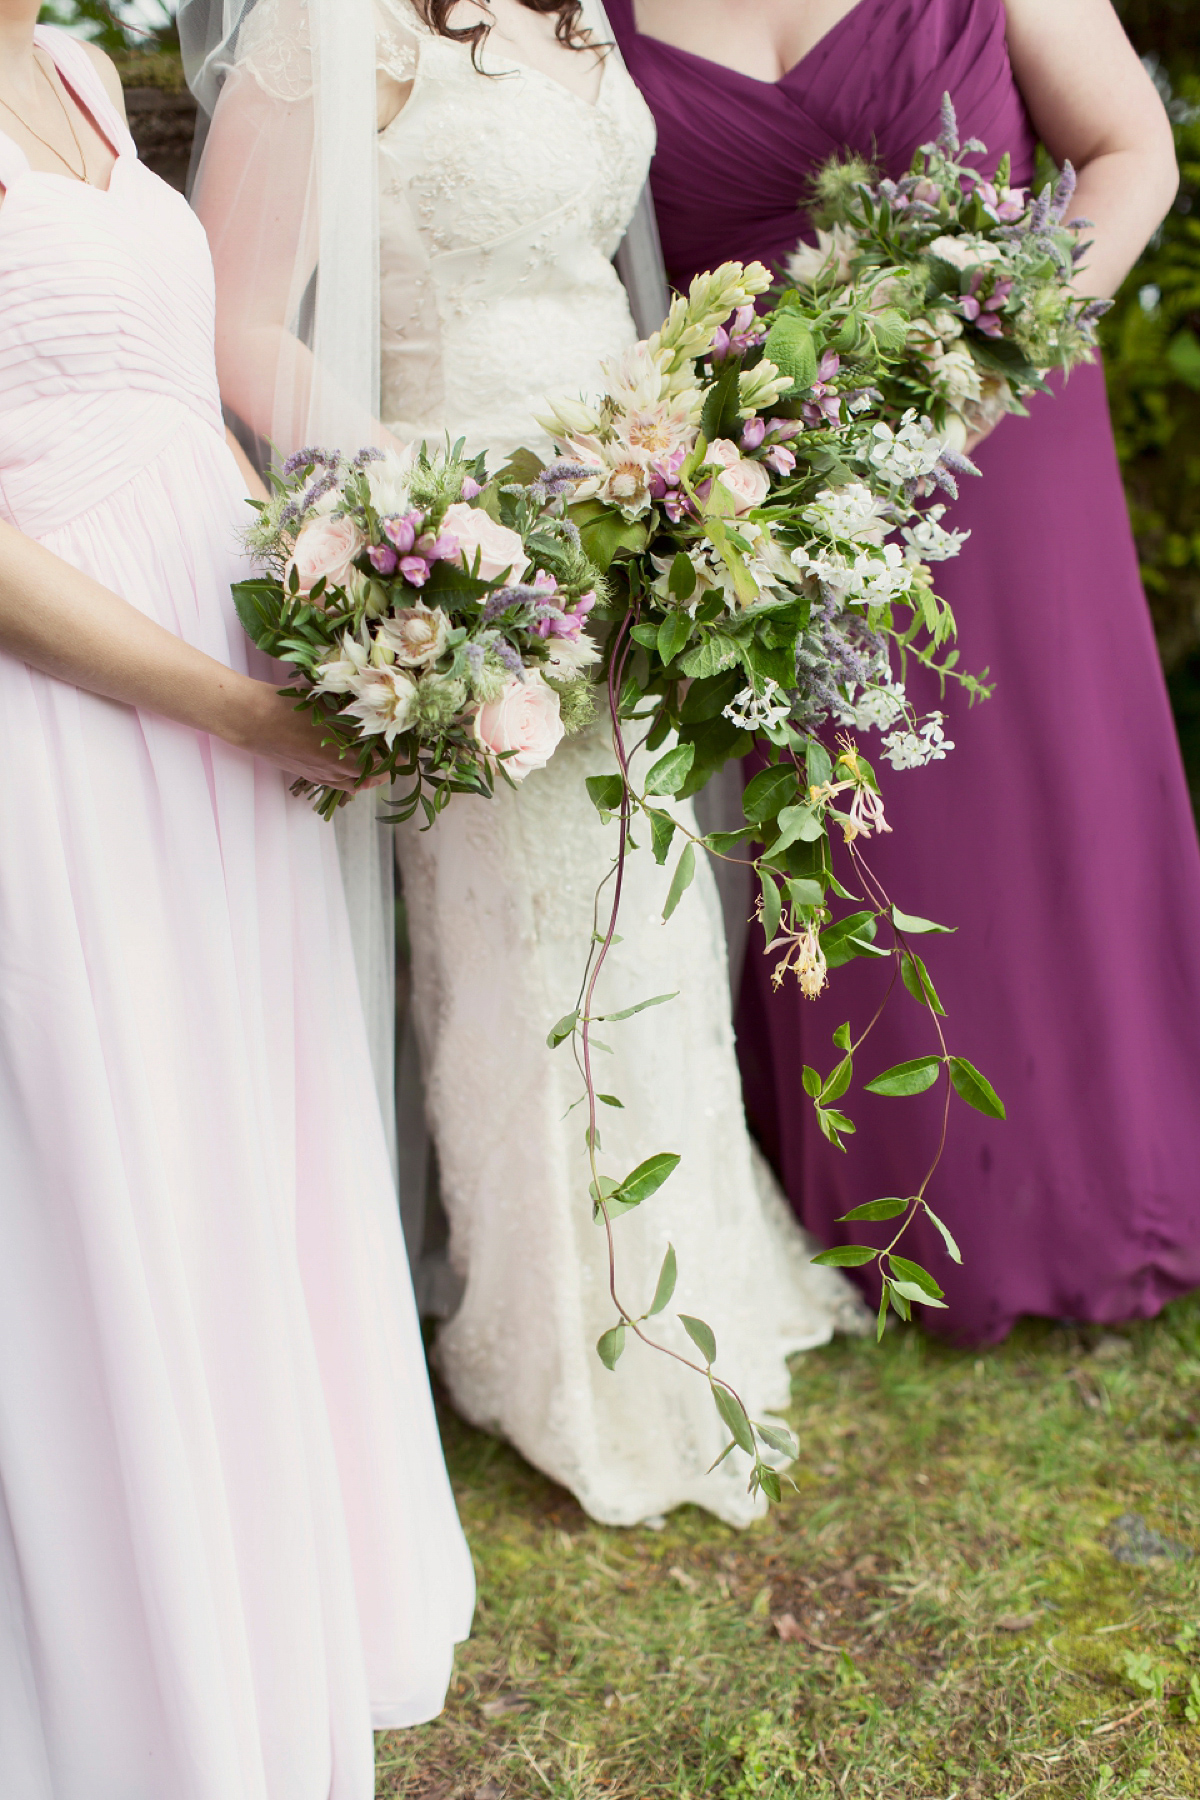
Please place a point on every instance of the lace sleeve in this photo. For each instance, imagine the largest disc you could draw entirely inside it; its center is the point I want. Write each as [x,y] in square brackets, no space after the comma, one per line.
[397,40]
[274,46]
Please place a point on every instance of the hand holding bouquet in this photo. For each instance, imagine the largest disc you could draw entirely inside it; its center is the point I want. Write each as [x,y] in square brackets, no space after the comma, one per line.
[435,620]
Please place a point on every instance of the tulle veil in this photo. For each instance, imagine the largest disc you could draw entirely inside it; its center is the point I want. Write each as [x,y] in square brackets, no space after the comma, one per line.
[284,179]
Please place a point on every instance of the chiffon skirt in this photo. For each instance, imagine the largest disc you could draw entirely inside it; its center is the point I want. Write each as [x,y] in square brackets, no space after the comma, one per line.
[227,1540]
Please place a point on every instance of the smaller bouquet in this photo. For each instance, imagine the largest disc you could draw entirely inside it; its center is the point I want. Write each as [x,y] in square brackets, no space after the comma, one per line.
[968,281]
[435,619]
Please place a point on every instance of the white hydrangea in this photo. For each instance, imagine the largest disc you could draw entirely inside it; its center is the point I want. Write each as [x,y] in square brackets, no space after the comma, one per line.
[851,512]
[929,541]
[906,454]
[913,749]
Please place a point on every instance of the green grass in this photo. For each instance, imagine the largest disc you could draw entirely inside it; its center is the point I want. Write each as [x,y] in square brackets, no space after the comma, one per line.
[959,1625]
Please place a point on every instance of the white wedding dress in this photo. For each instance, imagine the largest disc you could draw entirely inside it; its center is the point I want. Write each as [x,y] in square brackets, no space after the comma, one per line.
[503,199]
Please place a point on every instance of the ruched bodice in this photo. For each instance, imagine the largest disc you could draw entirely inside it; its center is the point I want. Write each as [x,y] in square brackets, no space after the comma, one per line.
[106,321]
[735,155]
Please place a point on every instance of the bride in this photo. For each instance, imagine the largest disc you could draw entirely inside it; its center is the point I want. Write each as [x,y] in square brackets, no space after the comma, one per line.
[443,185]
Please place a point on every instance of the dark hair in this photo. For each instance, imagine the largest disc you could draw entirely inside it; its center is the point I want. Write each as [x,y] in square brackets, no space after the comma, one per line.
[436,13]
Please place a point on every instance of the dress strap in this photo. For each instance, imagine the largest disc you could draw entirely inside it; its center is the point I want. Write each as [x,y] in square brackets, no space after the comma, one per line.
[80,74]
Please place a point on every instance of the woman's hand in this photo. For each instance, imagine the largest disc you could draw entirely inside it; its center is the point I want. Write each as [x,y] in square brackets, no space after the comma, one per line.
[270,726]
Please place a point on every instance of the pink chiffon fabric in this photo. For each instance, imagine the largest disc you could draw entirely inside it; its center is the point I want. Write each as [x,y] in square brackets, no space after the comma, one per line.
[228,1545]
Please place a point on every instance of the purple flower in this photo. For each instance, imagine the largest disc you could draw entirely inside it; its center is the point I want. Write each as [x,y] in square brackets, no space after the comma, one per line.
[990,325]
[310,457]
[470,488]
[741,334]
[403,532]
[415,570]
[718,348]
[831,362]
[782,431]
[383,559]
[781,459]
[753,433]
[369,455]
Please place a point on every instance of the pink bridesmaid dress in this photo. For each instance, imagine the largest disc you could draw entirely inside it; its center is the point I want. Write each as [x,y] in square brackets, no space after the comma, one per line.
[228,1546]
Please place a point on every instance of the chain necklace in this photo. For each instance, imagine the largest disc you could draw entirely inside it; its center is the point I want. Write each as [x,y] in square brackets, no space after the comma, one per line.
[45,141]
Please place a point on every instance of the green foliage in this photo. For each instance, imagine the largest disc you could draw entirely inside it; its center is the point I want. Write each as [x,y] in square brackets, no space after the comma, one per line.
[116,26]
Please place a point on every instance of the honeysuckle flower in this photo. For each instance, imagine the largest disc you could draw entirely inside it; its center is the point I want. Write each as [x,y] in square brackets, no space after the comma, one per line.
[865,817]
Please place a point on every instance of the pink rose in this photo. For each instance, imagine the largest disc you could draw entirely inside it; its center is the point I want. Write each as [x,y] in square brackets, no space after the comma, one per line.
[325,547]
[525,719]
[747,483]
[499,549]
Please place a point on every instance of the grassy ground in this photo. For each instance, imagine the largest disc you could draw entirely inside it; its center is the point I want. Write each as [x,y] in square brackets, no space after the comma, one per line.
[937,1613]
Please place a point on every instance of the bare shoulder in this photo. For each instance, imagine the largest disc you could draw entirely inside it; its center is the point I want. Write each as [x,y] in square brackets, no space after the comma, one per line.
[107,71]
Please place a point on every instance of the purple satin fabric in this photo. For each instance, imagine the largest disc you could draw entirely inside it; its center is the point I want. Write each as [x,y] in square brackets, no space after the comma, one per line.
[1057,836]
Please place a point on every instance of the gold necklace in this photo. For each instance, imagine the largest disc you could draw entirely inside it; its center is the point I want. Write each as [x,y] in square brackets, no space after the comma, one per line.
[45,141]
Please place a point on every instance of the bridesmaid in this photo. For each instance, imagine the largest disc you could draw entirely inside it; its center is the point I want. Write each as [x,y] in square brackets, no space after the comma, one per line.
[1058,836]
[227,1542]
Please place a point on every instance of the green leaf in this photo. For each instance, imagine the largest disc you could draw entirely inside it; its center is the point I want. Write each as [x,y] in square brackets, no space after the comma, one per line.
[606,793]
[604,532]
[563,1030]
[701,1335]
[817,761]
[681,582]
[775,1438]
[952,1248]
[846,1256]
[666,1283]
[610,1346]
[771,1485]
[848,937]
[876,1209]
[674,632]
[708,696]
[734,1415]
[806,893]
[907,1077]
[791,347]
[905,1270]
[611,1100]
[838,1081]
[646,1179]
[722,842]
[909,922]
[709,657]
[812,1082]
[646,635]
[662,830]
[841,1036]
[671,771]
[909,1290]
[772,906]
[769,792]
[720,415]
[797,824]
[685,869]
[881,1319]
[628,1012]
[602,1191]
[975,1088]
[916,980]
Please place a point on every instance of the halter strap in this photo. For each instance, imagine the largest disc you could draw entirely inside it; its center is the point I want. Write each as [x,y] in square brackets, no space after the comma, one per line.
[80,75]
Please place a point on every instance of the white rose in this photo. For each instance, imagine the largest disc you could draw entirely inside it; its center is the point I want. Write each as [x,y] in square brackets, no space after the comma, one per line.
[475,531]
[325,547]
[746,482]
[527,720]
[416,635]
[966,252]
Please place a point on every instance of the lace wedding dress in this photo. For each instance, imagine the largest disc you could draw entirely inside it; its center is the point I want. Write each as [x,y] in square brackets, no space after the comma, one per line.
[503,197]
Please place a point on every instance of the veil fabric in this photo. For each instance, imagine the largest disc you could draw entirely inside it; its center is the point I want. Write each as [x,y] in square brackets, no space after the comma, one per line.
[285,181]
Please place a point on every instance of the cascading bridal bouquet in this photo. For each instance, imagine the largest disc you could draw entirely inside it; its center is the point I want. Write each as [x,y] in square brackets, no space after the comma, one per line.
[968,279]
[435,620]
[767,565]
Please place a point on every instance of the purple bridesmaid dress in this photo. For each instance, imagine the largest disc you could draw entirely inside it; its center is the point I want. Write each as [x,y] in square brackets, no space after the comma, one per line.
[1057,836]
